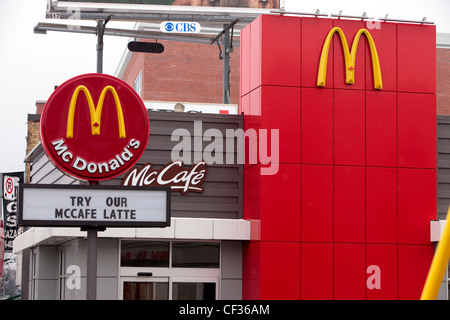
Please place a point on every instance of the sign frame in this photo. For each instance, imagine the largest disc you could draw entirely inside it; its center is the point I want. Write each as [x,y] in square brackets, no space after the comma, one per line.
[91,10]
[90,223]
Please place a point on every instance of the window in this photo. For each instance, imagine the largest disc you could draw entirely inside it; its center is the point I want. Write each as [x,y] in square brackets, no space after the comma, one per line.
[194,291]
[33,273]
[156,254]
[195,255]
[145,290]
[144,254]
[137,85]
[61,274]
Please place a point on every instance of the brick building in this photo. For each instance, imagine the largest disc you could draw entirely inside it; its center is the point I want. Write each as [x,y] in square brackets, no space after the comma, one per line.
[184,72]
[443,74]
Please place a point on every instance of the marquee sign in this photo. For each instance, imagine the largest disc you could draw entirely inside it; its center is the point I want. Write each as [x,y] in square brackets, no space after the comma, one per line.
[94,127]
[93,205]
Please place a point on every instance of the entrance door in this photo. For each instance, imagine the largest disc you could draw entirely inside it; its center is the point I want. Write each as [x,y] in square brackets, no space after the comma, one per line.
[138,289]
[194,290]
[169,288]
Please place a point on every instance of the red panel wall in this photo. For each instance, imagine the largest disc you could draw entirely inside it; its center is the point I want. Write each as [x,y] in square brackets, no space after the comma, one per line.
[381,128]
[346,216]
[317,143]
[349,204]
[381,205]
[316,281]
[384,258]
[316,203]
[349,127]
[349,271]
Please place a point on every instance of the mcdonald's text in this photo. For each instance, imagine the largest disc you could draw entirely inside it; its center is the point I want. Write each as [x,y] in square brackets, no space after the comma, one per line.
[81,164]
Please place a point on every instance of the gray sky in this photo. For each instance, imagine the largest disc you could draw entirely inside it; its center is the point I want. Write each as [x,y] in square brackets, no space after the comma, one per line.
[32,64]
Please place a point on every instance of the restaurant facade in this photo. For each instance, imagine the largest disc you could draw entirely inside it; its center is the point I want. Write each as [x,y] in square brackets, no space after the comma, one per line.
[334,198]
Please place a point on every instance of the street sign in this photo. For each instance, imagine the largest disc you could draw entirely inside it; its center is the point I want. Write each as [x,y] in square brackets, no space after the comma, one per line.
[9,187]
[93,205]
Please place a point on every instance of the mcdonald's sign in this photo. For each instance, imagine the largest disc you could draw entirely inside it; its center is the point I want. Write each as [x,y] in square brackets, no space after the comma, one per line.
[94,127]
[350,58]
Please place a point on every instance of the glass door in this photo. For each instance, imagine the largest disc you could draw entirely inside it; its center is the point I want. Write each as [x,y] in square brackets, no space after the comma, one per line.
[183,290]
[161,288]
[173,270]
[134,288]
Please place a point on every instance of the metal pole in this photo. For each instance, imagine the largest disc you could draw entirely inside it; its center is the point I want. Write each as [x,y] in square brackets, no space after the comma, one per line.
[226,66]
[100,32]
[91,276]
[92,233]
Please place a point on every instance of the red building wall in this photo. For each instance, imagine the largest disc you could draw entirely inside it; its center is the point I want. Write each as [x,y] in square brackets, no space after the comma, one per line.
[356,185]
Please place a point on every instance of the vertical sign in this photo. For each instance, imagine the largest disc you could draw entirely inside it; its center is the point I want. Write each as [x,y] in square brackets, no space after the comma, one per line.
[10,188]
[2,248]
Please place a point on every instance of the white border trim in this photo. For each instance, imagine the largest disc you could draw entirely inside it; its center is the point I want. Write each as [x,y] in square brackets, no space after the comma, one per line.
[180,228]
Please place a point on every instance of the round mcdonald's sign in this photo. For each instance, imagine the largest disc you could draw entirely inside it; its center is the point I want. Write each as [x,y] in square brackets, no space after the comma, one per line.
[94,127]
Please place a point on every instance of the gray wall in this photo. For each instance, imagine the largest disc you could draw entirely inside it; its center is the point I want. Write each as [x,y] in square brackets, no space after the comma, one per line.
[75,254]
[223,195]
[443,166]
[231,286]
[443,182]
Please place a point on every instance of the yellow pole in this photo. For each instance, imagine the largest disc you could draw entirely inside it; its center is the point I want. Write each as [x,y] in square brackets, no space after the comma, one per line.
[438,265]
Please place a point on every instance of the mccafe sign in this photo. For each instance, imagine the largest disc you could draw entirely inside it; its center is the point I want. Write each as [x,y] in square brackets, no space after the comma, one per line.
[94,127]
[174,175]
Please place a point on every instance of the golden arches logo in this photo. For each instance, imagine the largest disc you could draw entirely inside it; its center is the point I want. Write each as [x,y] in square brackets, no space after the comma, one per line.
[95,111]
[350,58]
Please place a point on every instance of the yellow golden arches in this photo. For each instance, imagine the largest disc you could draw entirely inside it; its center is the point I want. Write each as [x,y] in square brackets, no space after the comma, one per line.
[95,112]
[350,58]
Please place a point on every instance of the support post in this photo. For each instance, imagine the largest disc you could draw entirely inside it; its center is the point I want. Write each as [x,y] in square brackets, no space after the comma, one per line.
[101,24]
[91,276]
[91,261]
[92,232]
[227,39]
[100,32]
[226,66]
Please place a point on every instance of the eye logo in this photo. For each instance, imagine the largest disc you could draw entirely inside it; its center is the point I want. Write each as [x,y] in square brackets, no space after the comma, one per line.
[169,26]
[180,27]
